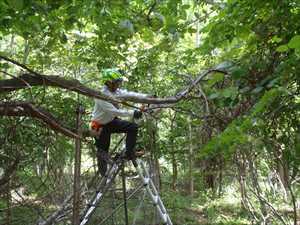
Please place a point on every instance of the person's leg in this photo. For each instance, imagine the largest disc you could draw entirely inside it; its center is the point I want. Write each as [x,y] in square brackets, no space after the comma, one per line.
[131,129]
[115,126]
[131,140]
[102,143]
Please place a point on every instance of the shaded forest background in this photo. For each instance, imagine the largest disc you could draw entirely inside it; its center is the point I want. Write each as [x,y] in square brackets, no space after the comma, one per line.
[227,152]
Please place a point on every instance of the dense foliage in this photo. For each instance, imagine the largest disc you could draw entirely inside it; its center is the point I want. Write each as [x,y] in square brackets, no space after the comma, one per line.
[229,153]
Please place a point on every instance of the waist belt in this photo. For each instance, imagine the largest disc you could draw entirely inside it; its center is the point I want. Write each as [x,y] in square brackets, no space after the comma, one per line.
[95,125]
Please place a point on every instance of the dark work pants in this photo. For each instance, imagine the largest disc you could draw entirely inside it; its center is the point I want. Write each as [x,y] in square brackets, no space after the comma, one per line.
[118,126]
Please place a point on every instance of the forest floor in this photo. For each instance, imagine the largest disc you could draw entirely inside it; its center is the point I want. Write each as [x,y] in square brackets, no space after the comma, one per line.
[198,215]
[201,210]
[215,216]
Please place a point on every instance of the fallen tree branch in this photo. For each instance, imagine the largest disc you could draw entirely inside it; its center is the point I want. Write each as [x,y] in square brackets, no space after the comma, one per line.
[18,64]
[36,79]
[19,78]
[172,99]
[74,85]
[51,81]
[28,109]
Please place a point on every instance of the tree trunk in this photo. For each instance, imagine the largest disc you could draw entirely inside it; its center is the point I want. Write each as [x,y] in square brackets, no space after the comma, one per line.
[209,175]
[174,171]
[282,170]
[191,162]
[220,187]
[293,199]
[8,198]
[26,51]
[257,189]
[76,187]
[156,173]
[241,169]
[173,157]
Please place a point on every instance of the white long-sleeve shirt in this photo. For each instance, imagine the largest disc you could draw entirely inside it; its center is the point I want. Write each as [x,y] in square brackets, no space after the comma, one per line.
[104,111]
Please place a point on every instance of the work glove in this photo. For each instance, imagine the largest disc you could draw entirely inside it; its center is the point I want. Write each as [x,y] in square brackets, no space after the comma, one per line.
[137,114]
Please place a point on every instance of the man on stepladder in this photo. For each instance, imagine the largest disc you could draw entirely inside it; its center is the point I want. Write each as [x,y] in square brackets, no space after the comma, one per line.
[105,119]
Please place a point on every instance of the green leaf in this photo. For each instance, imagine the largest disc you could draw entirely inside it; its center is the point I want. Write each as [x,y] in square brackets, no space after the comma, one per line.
[4,65]
[35,22]
[157,21]
[272,83]
[238,72]
[185,6]
[216,78]
[214,95]
[276,39]
[230,92]
[295,42]
[245,90]
[192,30]
[197,15]
[282,48]
[147,35]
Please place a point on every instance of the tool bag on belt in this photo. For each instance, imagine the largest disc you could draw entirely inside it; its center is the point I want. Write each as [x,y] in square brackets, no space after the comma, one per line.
[95,128]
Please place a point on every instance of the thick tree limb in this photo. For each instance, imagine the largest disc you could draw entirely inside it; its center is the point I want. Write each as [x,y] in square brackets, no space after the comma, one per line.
[28,109]
[74,85]
[52,81]
[36,79]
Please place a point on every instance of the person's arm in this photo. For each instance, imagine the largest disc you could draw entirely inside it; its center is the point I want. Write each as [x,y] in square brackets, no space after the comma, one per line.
[110,108]
[125,93]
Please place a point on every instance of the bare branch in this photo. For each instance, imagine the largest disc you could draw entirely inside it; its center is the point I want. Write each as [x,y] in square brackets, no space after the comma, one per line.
[19,64]
[205,99]
[28,109]
[28,85]
[37,79]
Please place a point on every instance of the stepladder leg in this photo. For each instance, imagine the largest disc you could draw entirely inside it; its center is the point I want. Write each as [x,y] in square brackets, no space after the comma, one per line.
[152,191]
[104,186]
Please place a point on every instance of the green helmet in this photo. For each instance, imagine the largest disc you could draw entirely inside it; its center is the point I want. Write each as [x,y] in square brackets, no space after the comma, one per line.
[112,74]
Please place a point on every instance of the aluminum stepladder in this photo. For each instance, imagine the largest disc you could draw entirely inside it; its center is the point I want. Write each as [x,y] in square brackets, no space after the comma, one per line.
[102,187]
[152,191]
[105,184]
